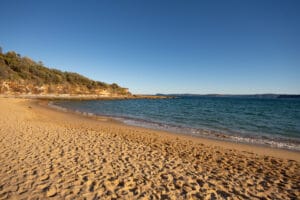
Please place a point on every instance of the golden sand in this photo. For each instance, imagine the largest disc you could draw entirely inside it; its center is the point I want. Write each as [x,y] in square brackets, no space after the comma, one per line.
[46,153]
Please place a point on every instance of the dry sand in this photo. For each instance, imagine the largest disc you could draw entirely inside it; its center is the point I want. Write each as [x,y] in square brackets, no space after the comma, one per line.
[46,153]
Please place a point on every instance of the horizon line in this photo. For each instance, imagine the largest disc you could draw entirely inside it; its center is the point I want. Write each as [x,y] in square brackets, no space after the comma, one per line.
[221,94]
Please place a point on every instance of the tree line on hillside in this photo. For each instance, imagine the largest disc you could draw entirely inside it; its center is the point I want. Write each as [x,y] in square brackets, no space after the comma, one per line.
[14,67]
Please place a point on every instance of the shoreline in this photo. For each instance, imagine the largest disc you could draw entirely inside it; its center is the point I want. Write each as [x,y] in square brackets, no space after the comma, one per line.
[256,148]
[50,154]
[201,133]
[80,97]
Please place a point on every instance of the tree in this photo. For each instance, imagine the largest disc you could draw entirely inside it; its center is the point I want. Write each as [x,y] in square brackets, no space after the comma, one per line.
[15,68]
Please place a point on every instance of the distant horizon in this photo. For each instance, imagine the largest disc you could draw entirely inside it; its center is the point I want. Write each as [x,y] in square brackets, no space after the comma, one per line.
[226,94]
[150,47]
[182,93]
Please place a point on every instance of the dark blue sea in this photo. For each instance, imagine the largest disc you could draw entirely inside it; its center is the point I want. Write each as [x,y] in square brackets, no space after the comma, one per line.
[266,121]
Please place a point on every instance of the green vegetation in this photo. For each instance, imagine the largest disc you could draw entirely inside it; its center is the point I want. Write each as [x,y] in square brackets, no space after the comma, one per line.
[17,69]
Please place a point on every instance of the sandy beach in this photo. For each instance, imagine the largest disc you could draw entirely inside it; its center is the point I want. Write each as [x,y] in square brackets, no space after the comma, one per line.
[46,153]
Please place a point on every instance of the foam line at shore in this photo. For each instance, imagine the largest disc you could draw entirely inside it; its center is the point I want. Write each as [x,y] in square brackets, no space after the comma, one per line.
[281,143]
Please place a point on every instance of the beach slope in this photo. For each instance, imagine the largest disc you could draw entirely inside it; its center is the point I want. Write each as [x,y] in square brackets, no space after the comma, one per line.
[46,153]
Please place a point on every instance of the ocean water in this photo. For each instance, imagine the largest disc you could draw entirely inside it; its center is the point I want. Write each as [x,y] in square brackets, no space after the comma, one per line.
[273,122]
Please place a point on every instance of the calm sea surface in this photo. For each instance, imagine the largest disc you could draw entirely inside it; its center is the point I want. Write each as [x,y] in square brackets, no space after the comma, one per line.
[274,122]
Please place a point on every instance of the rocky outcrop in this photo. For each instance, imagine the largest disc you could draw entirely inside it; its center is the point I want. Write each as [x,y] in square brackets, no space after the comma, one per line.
[24,87]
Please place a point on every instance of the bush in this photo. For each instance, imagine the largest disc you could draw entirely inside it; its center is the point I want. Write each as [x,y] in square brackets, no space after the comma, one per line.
[17,68]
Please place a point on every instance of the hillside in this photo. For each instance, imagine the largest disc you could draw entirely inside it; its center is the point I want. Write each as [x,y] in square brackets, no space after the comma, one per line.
[22,75]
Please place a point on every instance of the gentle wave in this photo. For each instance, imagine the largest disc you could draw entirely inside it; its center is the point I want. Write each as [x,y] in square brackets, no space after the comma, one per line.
[284,143]
[277,141]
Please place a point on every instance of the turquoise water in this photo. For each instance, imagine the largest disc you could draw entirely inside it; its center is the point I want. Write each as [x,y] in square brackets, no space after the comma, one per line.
[274,122]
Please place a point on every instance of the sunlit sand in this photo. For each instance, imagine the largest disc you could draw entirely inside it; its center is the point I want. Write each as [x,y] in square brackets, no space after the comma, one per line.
[46,153]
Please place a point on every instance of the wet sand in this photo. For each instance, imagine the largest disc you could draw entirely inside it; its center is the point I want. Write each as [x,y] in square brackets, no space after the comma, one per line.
[45,153]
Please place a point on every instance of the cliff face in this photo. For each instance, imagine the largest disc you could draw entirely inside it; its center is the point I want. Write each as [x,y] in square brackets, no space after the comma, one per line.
[21,75]
[23,87]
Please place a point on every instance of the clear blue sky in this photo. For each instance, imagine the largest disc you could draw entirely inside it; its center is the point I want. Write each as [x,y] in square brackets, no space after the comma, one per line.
[160,46]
